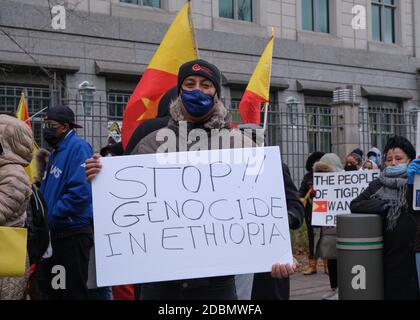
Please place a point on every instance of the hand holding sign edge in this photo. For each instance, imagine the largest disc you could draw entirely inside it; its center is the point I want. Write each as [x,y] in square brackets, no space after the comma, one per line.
[93,167]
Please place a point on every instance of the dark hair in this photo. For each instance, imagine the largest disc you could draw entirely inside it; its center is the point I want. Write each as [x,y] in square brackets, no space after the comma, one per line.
[117,149]
[105,150]
[403,144]
[356,157]
[313,157]
[359,152]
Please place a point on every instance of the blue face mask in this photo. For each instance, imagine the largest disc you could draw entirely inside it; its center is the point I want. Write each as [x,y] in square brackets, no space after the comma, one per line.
[397,170]
[197,103]
[374,159]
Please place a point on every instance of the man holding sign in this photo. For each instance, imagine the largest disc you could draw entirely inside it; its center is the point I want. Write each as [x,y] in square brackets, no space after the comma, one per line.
[198,107]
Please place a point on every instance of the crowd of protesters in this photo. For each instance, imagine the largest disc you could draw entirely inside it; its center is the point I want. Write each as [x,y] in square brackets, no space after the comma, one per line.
[64,184]
[391,197]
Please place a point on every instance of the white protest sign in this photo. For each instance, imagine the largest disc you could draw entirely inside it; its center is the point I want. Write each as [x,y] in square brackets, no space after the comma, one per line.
[157,222]
[334,191]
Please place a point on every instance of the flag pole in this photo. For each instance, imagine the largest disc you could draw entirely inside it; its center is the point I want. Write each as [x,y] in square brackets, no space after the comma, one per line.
[271,64]
[265,115]
[30,118]
[190,18]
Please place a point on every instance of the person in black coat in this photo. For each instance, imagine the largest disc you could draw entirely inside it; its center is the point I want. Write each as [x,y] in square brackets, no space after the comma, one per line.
[265,287]
[390,196]
[157,123]
[198,89]
[305,194]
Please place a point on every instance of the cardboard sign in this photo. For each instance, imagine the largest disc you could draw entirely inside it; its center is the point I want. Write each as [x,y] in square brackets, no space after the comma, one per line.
[159,220]
[334,191]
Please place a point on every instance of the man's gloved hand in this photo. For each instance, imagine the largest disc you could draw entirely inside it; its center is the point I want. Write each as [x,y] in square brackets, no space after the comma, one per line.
[412,170]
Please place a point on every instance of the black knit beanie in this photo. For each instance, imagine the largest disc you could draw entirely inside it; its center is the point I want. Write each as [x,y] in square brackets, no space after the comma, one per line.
[403,144]
[200,68]
[359,152]
[314,157]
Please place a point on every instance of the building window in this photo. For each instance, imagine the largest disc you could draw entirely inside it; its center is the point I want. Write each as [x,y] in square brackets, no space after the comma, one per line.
[146,3]
[318,120]
[235,99]
[116,105]
[383,20]
[385,120]
[37,98]
[315,15]
[236,9]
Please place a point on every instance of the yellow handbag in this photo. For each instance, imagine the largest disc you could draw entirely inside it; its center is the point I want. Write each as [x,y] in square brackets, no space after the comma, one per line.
[13,248]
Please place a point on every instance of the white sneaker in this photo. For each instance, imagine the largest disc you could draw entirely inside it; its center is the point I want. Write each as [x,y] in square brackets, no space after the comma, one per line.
[330,295]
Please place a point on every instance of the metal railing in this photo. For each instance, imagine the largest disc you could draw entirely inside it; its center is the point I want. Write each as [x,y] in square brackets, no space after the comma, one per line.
[377,125]
[298,132]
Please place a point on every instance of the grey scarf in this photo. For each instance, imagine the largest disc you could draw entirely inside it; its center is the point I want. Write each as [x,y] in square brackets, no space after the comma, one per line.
[393,191]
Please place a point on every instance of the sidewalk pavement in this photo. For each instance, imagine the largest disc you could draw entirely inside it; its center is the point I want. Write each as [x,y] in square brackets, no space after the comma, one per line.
[310,287]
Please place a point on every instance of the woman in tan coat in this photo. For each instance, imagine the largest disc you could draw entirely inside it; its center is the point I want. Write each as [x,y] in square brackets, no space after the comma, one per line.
[326,237]
[17,143]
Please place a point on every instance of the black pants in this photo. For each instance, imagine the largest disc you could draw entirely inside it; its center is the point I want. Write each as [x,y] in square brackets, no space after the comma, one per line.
[310,231]
[72,253]
[265,287]
[137,291]
[222,288]
[333,273]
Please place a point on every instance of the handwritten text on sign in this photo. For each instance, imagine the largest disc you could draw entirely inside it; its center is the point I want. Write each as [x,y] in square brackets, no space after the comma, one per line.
[156,222]
[334,191]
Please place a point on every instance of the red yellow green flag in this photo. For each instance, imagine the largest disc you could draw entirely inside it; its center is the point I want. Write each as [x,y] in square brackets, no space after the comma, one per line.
[176,48]
[320,206]
[22,111]
[258,89]
[23,114]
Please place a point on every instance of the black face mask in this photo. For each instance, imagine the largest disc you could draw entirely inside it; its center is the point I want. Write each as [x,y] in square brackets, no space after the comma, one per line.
[352,167]
[50,137]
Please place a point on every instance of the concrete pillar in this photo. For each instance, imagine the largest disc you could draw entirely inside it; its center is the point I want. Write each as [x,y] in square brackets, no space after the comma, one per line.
[345,127]
[416,29]
[290,132]
[418,84]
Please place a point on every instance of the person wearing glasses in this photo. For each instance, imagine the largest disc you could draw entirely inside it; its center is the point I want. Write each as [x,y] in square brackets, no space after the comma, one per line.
[69,200]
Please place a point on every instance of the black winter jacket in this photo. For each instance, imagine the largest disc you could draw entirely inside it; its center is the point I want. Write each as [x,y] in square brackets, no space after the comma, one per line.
[294,206]
[400,276]
[305,185]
